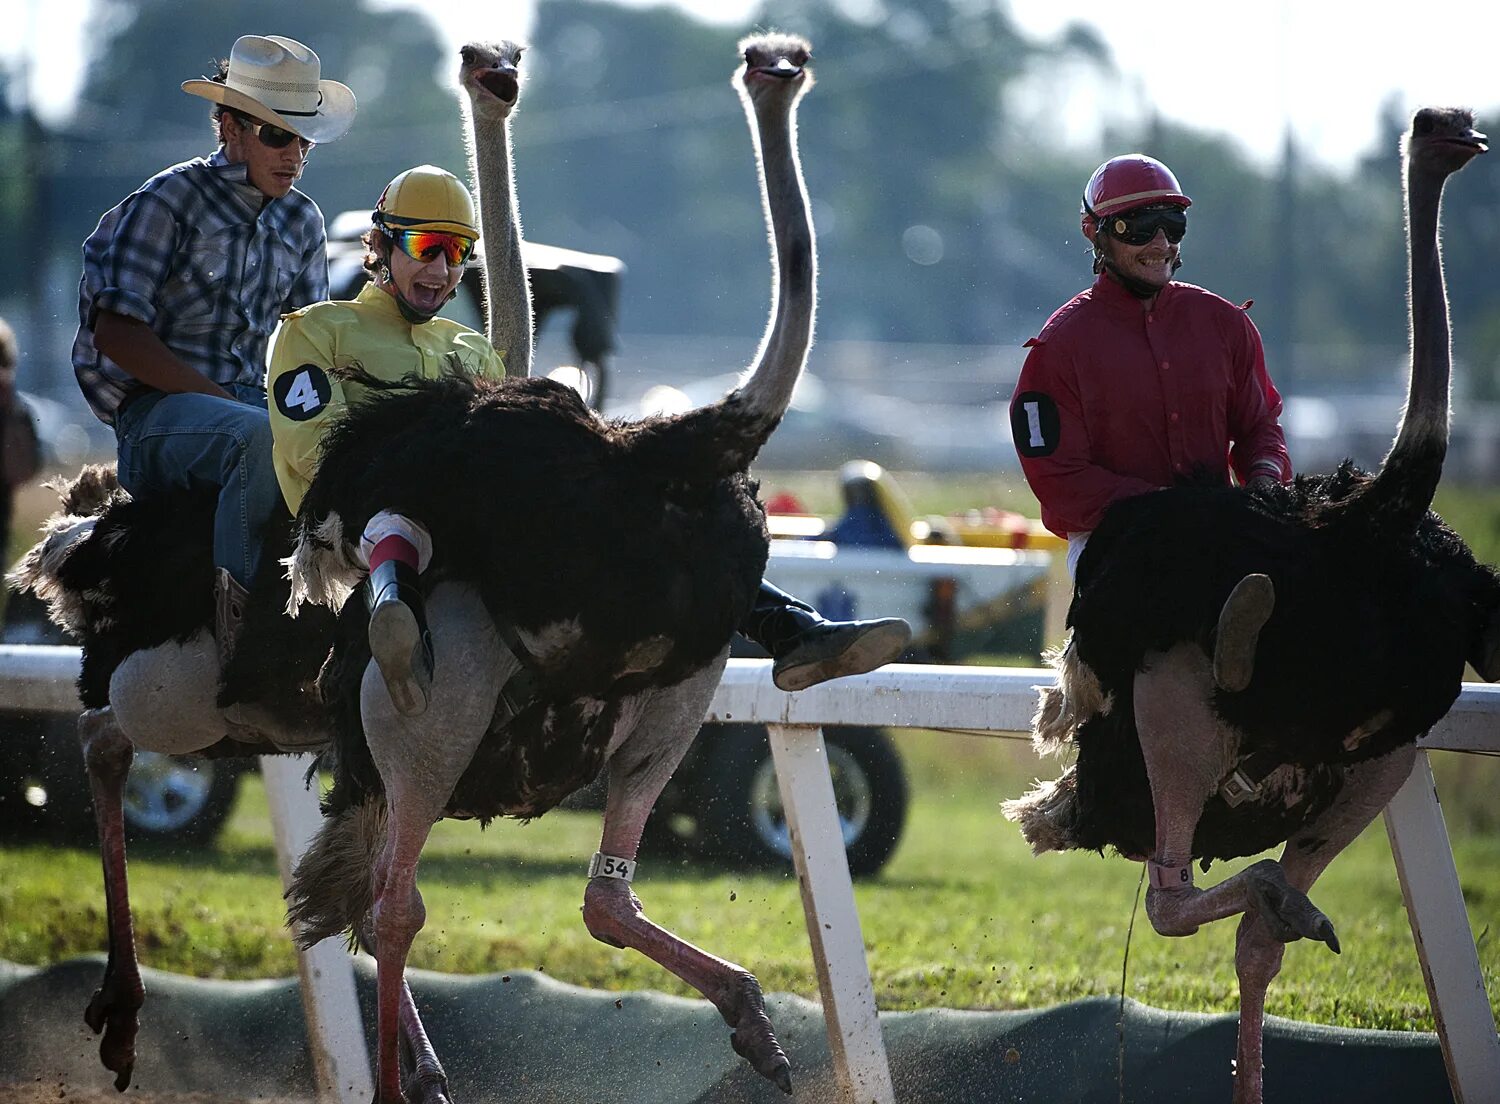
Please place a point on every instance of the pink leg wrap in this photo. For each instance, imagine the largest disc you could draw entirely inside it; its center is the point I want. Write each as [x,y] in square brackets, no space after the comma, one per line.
[1170,877]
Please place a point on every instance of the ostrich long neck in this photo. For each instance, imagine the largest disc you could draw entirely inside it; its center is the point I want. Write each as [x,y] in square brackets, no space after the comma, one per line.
[507,292]
[1409,475]
[783,350]
[721,439]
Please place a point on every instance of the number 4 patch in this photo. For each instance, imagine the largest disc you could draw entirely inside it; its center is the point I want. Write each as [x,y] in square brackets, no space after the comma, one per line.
[302,394]
[1034,424]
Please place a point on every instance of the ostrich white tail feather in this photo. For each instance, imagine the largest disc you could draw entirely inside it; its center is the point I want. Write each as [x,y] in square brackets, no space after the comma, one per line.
[1047,813]
[322,568]
[1064,707]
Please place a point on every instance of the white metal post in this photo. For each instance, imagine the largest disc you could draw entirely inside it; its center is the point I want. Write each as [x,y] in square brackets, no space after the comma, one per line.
[1445,946]
[858,1050]
[335,1032]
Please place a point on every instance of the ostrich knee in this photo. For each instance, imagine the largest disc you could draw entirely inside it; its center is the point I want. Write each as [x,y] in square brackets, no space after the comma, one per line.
[107,752]
[605,901]
[1168,910]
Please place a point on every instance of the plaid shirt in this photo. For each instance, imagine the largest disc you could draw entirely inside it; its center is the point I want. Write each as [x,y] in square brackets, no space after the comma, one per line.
[198,256]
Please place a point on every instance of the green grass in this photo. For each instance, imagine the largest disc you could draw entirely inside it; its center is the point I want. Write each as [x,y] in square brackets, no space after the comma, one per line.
[963,917]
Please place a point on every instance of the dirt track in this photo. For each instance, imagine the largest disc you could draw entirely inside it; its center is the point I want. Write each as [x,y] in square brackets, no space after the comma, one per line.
[44,1092]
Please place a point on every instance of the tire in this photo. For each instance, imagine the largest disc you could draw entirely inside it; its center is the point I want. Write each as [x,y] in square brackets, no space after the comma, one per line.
[183,800]
[737,803]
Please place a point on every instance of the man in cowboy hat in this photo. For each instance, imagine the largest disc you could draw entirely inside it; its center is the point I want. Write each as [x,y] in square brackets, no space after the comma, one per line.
[183,282]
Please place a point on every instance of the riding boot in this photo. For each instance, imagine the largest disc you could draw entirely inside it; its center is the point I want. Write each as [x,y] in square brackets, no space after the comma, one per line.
[809,649]
[230,600]
[399,640]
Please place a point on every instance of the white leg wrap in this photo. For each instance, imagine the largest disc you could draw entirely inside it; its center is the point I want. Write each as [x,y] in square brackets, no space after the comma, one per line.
[611,866]
[386,524]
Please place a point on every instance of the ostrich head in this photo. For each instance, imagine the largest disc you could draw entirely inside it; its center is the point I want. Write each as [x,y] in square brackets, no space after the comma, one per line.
[775,67]
[1442,140]
[489,76]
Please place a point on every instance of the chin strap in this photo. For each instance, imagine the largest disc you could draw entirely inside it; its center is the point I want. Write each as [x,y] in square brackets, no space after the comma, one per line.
[409,312]
[1138,288]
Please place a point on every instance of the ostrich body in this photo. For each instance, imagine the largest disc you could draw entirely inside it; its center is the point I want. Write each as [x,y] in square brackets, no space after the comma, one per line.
[1249,667]
[611,562]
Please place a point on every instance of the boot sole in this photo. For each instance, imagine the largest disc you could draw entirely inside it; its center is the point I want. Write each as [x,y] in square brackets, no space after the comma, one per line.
[394,642]
[860,653]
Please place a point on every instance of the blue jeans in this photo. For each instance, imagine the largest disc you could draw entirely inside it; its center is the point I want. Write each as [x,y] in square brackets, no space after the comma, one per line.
[190,441]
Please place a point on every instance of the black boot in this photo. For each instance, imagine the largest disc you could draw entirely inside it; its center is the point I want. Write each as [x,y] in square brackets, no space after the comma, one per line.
[809,650]
[399,640]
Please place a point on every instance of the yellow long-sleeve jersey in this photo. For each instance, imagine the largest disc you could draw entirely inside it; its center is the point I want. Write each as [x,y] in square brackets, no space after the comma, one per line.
[314,349]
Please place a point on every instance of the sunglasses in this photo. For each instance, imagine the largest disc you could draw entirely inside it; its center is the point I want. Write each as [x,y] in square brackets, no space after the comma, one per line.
[425,245]
[1139,227]
[272,136]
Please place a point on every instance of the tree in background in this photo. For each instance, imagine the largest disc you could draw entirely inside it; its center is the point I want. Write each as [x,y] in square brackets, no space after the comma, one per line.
[945,213]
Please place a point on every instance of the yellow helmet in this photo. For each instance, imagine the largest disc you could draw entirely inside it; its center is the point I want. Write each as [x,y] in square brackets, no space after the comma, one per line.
[427,198]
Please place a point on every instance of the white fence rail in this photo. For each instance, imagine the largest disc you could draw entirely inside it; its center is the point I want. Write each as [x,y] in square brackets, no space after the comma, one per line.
[994,701]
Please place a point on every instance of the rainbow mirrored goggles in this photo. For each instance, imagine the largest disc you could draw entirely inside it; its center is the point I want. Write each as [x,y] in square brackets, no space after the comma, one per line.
[425,245]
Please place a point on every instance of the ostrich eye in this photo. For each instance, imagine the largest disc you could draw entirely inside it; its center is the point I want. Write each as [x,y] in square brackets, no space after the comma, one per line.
[801,58]
[467,54]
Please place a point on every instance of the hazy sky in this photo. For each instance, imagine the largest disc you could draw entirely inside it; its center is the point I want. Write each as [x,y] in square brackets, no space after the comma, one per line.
[1244,69]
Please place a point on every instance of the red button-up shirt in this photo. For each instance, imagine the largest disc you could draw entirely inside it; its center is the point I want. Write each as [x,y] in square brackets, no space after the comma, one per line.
[1115,400]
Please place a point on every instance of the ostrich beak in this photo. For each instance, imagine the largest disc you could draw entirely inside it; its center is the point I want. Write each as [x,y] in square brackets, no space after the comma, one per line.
[782,69]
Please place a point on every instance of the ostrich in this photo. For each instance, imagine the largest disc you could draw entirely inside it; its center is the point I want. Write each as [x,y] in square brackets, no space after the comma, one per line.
[637,551]
[1249,667]
[607,571]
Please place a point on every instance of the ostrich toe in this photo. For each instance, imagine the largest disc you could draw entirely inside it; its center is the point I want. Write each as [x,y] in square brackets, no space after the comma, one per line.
[116,1017]
[1288,912]
[1245,613]
[753,1038]
[426,1089]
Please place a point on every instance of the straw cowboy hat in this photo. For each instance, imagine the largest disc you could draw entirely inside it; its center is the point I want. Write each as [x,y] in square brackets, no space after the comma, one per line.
[277,80]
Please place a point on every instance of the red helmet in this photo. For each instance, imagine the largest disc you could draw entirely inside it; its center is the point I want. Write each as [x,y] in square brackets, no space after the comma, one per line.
[1124,183]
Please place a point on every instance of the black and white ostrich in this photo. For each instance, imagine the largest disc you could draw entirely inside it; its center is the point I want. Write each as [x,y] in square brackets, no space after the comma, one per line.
[609,562]
[1252,667]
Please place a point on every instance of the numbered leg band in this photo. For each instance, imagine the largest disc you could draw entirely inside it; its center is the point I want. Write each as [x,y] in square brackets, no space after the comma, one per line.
[1170,877]
[611,866]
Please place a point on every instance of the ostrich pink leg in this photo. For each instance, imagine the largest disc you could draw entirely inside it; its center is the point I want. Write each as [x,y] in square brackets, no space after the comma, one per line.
[420,760]
[1368,787]
[113,1008]
[1187,751]
[613,913]
[399,914]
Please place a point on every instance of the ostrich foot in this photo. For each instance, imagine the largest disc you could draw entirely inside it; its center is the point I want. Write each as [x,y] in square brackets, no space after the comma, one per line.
[112,1010]
[1245,613]
[1288,913]
[753,1039]
[423,1080]
[613,915]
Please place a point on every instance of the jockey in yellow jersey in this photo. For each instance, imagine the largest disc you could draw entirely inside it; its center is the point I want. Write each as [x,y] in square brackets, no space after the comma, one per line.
[424,231]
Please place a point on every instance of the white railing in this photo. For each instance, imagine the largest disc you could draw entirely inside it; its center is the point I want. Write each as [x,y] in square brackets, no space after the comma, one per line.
[996,701]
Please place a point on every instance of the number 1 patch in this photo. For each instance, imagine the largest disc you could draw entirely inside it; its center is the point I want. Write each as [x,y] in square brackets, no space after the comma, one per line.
[1034,424]
[302,394]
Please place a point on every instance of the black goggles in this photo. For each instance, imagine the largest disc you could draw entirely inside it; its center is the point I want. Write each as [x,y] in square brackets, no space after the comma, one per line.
[1140,226]
[272,136]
